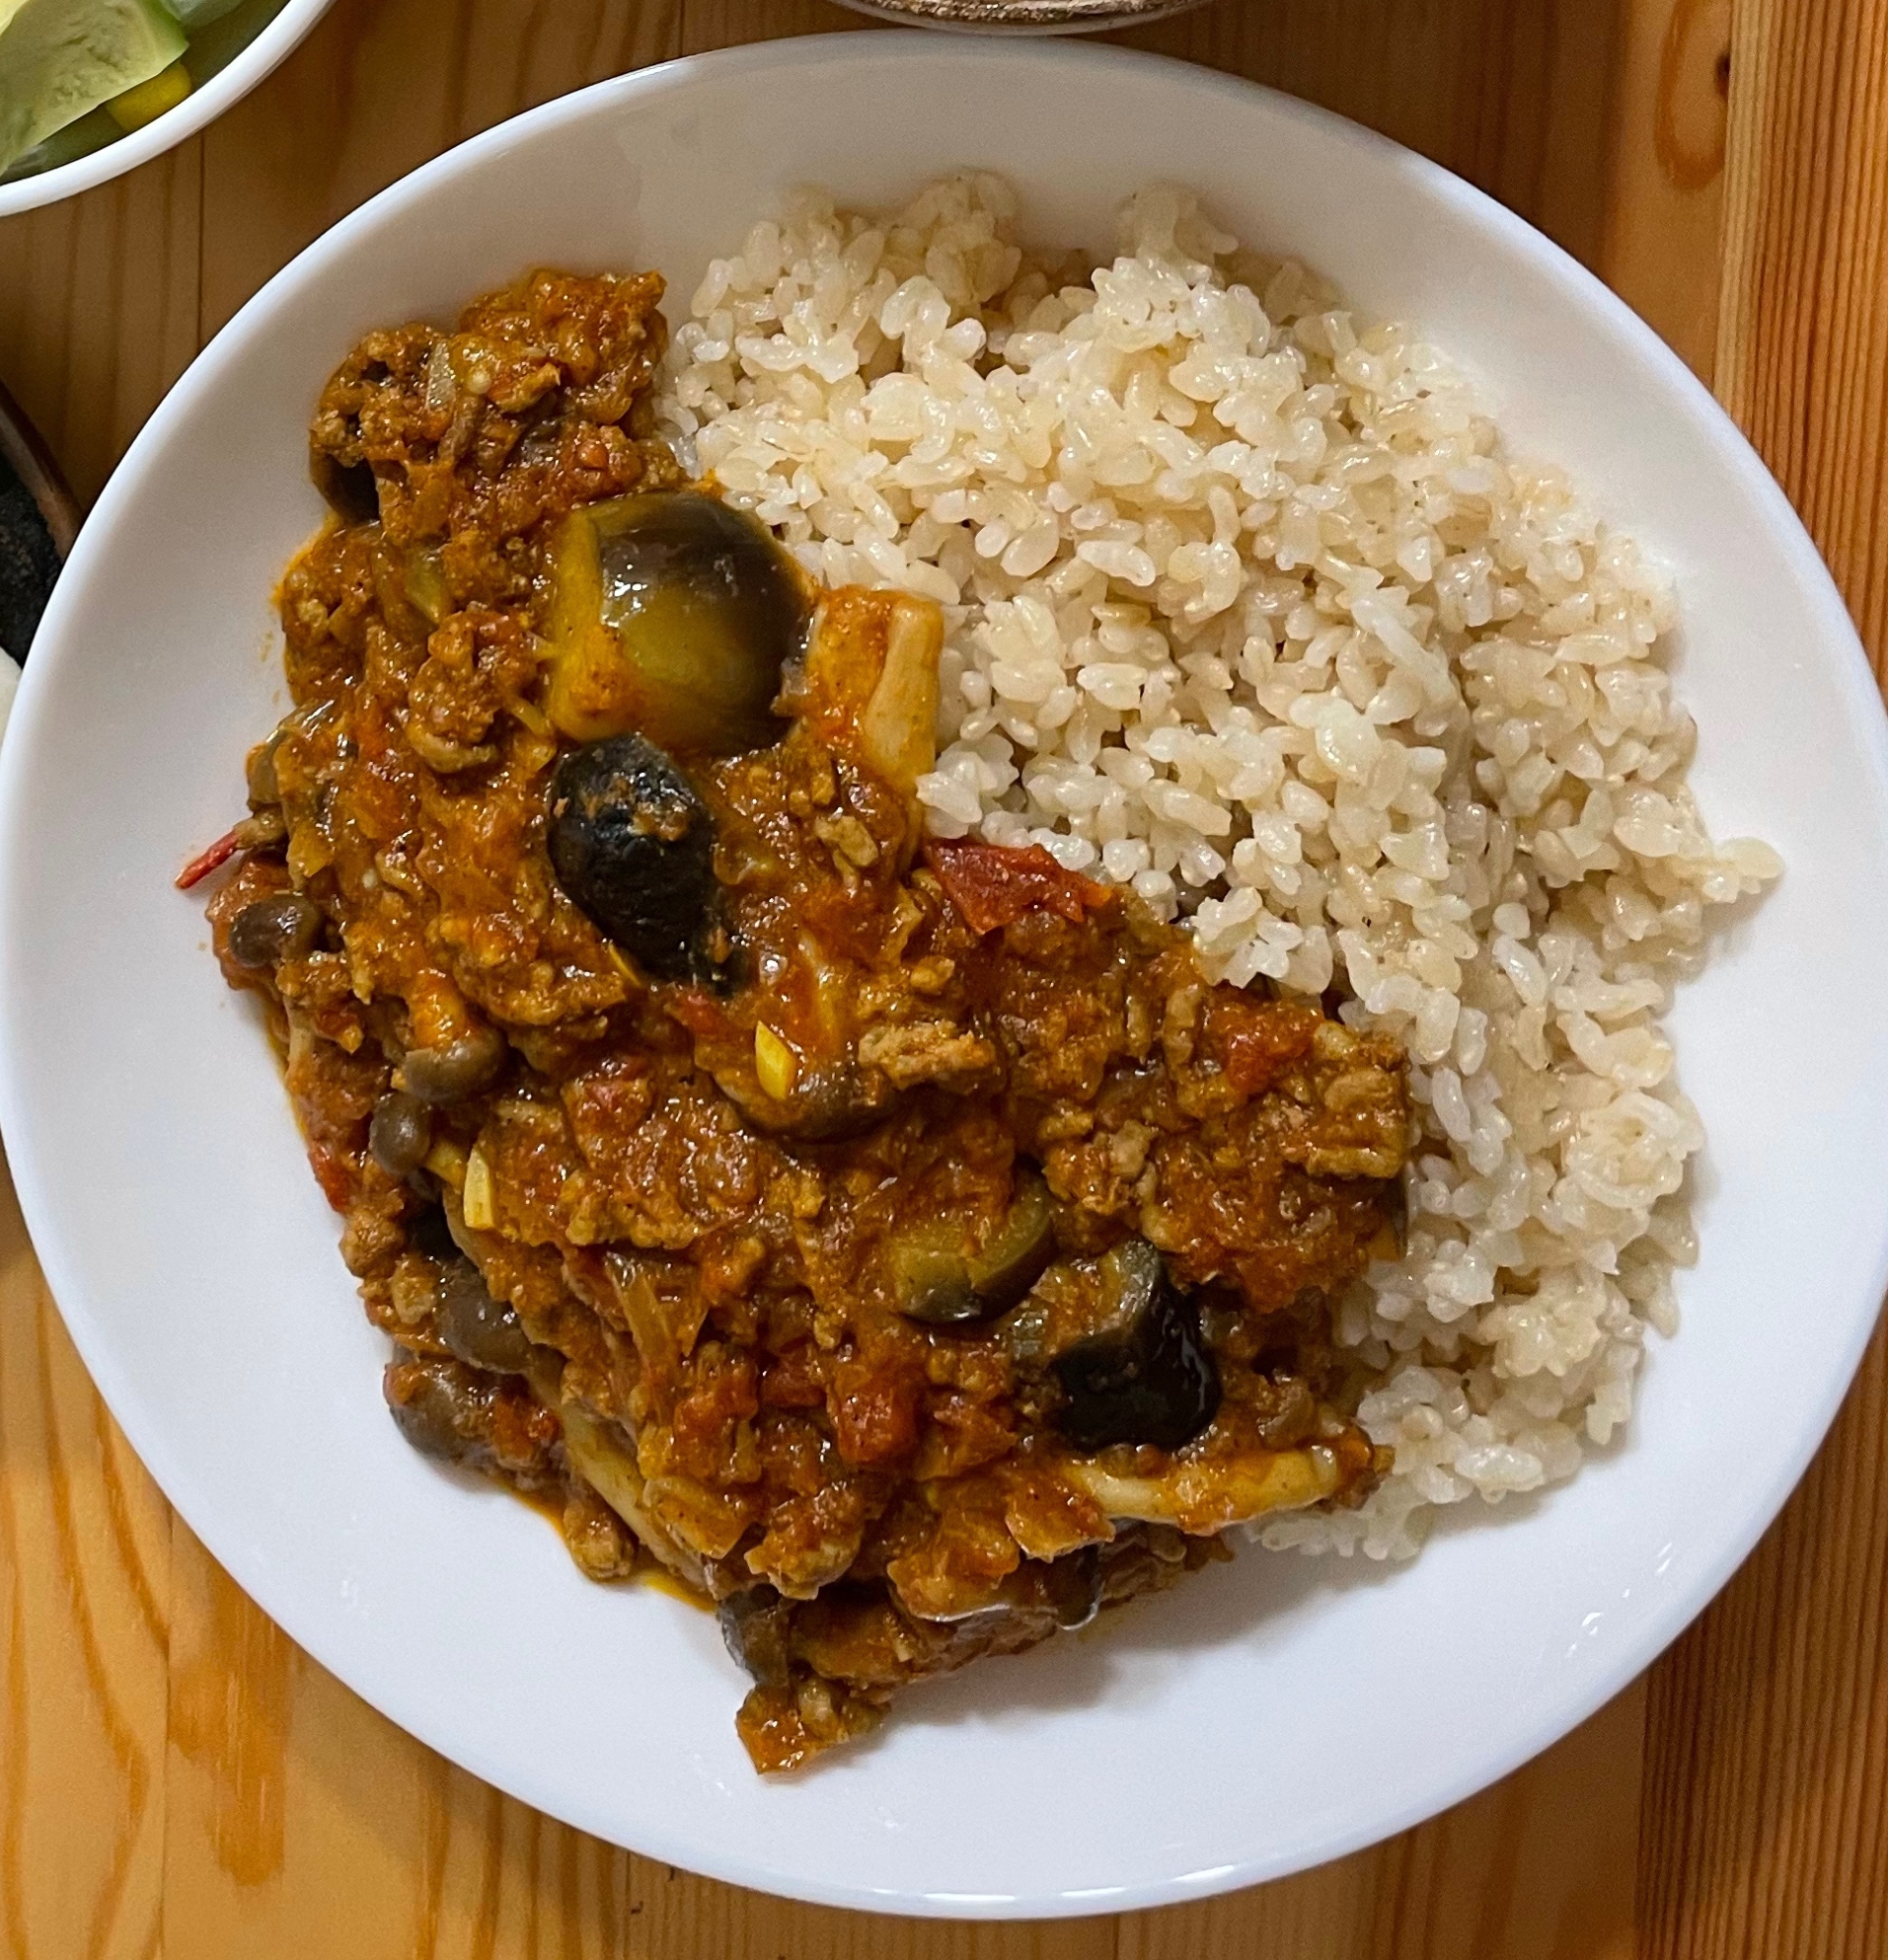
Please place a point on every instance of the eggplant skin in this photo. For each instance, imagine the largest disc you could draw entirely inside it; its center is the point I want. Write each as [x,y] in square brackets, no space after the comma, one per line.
[1147,1379]
[632,846]
[674,615]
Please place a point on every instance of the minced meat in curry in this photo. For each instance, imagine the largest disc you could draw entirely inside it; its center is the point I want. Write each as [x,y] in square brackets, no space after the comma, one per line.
[898,1240]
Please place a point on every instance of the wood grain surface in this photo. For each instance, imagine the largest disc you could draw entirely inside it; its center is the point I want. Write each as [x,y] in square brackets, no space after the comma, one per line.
[177,1778]
[1765,1825]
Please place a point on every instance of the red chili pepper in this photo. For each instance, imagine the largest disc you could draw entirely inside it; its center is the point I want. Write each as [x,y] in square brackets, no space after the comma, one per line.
[995,884]
[204,862]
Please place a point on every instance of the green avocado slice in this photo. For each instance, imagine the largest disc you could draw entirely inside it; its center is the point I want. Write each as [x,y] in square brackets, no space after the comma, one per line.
[59,59]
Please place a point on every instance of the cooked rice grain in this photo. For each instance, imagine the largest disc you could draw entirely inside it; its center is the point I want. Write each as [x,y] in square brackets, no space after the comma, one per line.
[1249,607]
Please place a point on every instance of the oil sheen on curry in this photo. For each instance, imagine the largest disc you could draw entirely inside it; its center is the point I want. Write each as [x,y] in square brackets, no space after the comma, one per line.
[898,1241]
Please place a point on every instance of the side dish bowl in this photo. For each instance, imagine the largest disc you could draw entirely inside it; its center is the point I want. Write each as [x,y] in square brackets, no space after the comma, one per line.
[1279,1711]
[216,91]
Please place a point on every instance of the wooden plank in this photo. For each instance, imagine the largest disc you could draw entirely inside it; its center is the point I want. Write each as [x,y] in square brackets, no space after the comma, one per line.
[97,309]
[1532,1869]
[1664,208]
[280,1779]
[84,1610]
[380,87]
[299,1822]
[1805,293]
[707,24]
[1767,1729]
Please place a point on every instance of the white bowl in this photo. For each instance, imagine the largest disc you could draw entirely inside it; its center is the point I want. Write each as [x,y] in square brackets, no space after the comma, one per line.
[1270,1714]
[230,84]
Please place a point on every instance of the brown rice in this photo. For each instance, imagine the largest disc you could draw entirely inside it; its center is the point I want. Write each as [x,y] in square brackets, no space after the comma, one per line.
[1249,607]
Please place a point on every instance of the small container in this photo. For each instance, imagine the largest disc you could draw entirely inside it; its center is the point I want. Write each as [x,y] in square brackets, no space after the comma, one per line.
[39,520]
[1021,16]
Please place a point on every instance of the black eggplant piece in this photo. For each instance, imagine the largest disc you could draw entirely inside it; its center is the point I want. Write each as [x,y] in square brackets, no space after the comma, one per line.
[350,490]
[943,1281]
[1142,1375]
[633,845]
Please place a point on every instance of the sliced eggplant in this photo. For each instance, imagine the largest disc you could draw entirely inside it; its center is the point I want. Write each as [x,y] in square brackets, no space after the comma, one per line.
[632,845]
[1140,1373]
[943,1280]
[674,615]
[348,488]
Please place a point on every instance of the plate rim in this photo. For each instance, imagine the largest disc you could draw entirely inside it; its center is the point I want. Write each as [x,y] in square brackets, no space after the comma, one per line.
[1582,290]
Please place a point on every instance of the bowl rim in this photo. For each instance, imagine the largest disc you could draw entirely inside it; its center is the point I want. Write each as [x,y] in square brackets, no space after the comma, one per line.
[201,106]
[1022,17]
[1477,1765]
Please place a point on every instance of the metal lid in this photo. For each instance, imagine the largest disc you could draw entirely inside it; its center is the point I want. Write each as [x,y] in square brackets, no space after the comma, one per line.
[1021,16]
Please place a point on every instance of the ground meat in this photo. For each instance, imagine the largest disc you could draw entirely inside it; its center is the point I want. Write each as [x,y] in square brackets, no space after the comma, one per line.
[765,1236]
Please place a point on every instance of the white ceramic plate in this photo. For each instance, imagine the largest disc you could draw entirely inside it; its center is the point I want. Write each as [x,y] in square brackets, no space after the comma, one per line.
[1268,1715]
[230,84]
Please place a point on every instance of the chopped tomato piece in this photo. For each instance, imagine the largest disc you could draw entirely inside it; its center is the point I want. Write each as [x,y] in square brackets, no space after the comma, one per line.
[851,923]
[333,1174]
[995,884]
[1257,1041]
[875,1411]
[699,1012]
[798,1379]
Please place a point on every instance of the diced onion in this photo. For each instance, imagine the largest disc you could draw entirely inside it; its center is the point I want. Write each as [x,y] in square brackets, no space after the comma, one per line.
[775,1062]
[477,1196]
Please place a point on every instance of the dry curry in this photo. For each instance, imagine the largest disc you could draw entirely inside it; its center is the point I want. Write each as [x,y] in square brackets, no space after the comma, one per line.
[898,1240]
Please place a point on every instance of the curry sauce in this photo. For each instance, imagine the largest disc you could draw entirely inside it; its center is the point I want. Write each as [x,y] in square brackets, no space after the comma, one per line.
[897,1242]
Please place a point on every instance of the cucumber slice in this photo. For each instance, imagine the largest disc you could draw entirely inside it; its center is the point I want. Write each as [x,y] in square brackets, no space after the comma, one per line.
[59,59]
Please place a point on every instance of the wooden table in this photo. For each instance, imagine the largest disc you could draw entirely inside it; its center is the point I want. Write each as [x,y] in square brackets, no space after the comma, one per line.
[176,1776]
